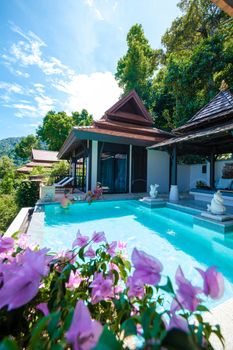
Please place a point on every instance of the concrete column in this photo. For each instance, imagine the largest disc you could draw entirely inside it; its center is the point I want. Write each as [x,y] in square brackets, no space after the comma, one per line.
[174,167]
[73,172]
[130,168]
[174,191]
[94,164]
[212,170]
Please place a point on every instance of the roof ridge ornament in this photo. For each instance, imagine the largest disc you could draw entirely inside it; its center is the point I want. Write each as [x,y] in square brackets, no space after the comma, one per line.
[224,86]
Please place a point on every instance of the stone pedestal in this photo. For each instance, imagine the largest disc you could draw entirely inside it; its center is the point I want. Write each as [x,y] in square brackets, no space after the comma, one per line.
[221,218]
[151,200]
[174,193]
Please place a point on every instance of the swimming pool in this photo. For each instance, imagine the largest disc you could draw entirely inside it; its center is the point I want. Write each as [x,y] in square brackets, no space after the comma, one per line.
[165,233]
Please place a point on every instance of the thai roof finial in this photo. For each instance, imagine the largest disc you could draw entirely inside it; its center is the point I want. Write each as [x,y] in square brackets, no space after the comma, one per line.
[224,86]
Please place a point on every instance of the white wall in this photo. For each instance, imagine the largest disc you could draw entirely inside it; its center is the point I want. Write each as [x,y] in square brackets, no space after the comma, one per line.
[183,177]
[158,170]
[94,161]
[196,174]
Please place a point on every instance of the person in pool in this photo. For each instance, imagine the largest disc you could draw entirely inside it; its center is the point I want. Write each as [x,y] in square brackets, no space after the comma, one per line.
[65,202]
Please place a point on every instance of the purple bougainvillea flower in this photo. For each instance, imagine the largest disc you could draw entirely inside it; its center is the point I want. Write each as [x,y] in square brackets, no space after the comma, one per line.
[136,287]
[177,321]
[122,245]
[186,293]
[147,268]
[213,282]
[101,288]
[112,248]
[90,253]
[37,260]
[74,280]
[98,237]
[6,243]
[80,240]
[43,307]
[21,278]
[84,332]
[19,287]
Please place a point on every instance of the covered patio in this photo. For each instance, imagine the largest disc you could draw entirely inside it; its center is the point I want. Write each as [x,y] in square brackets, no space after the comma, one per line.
[209,133]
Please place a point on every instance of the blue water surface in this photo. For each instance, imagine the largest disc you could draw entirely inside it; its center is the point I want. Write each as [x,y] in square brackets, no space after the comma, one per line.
[165,233]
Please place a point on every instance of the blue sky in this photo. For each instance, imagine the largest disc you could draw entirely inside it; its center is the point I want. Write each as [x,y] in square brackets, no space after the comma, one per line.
[62,55]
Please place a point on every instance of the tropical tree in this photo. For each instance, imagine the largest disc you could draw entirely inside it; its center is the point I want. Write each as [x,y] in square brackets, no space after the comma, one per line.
[136,68]
[23,149]
[57,126]
[55,129]
[6,167]
[83,118]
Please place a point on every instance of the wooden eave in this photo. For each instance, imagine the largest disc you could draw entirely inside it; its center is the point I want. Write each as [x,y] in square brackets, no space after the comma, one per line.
[217,140]
[225,5]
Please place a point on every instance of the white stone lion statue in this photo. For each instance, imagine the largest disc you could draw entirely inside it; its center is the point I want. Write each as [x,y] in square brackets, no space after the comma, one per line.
[216,207]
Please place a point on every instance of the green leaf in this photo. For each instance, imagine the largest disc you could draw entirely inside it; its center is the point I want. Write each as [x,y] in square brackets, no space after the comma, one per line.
[129,327]
[178,340]
[108,341]
[8,344]
[202,308]
[168,287]
[38,329]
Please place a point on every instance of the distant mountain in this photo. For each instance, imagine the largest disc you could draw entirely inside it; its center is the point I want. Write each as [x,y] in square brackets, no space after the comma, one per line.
[7,147]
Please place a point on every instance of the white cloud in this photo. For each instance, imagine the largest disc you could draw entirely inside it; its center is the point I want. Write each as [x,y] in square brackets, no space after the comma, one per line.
[95,92]
[11,87]
[39,88]
[24,107]
[92,5]
[28,52]
[44,104]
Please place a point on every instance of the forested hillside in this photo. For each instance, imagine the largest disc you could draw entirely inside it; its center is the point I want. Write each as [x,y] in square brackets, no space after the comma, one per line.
[7,147]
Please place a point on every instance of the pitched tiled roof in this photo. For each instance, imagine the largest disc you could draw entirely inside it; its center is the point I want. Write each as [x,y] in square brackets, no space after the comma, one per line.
[221,104]
[46,156]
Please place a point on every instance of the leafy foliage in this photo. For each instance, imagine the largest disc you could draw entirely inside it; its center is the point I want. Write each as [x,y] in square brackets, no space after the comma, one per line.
[23,149]
[57,126]
[60,169]
[8,210]
[27,193]
[198,55]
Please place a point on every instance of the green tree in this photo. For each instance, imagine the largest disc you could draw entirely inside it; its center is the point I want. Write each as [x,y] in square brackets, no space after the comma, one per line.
[57,126]
[60,169]
[55,129]
[135,69]
[6,167]
[24,148]
[8,210]
[83,118]
[199,20]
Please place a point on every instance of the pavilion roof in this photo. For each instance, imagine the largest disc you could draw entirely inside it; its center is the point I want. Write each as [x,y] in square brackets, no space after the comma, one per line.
[220,107]
[126,122]
[44,156]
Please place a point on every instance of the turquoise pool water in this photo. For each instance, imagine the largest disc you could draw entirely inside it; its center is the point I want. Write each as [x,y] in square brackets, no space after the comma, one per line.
[166,233]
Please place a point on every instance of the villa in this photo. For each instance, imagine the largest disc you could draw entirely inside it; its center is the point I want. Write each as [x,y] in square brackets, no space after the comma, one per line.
[126,153]
[41,158]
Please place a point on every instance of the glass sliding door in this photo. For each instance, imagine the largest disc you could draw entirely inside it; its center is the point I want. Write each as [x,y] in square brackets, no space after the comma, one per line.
[113,168]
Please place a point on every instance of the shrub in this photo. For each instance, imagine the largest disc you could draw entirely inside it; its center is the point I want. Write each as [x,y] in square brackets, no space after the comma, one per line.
[7,185]
[27,193]
[8,210]
[89,298]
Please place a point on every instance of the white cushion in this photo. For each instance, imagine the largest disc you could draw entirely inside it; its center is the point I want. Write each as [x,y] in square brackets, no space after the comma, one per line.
[223,183]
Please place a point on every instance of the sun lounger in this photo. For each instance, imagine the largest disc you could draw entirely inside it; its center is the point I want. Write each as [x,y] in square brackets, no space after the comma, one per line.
[61,181]
[70,179]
